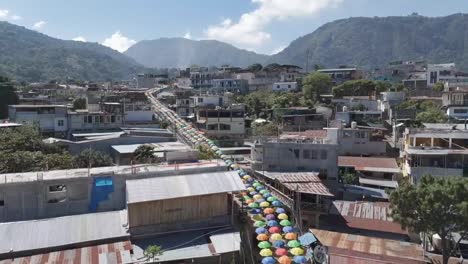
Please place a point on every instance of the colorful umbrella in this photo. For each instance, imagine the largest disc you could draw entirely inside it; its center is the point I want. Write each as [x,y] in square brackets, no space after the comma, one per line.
[264,244]
[246,177]
[250,189]
[271,198]
[268,211]
[260,187]
[253,193]
[261,200]
[300,259]
[274,229]
[294,244]
[270,217]
[261,230]
[281,252]
[266,195]
[259,224]
[277,203]
[255,211]
[266,252]
[249,201]
[290,236]
[272,223]
[264,204]
[255,184]
[288,229]
[284,260]
[283,216]
[246,197]
[258,217]
[297,251]
[279,243]
[258,196]
[268,260]
[262,237]
[263,191]
[285,222]
[275,237]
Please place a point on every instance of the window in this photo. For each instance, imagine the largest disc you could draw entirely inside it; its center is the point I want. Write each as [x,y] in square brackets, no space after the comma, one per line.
[277,86]
[314,154]
[60,123]
[96,119]
[347,134]
[289,86]
[323,154]
[200,100]
[90,119]
[2,203]
[306,154]
[323,174]
[361,134]
[224,127]
[57,188]
[112,119]
[460,111]
[212,127]
[85,119]
[101,119]
[296,153]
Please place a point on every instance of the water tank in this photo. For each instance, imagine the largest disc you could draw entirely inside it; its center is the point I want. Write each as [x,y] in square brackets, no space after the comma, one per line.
[345,108]
[353,125]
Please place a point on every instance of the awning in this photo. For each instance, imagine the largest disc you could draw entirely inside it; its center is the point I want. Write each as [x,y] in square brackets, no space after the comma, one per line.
[378,182]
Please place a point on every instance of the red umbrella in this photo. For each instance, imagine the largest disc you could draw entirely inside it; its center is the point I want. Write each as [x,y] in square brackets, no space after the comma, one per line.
[281,252]
[274,230]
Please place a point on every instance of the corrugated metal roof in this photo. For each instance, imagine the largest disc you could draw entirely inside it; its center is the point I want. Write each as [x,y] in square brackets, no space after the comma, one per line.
[304,182]
[369,163]
[161,188]
[61,231]
[227,242]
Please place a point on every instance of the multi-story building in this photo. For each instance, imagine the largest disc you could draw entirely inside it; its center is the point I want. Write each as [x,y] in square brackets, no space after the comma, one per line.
[48,118]
[201,77]
[434,151]
[298,119]
[284,86]
[229,85]
[342,75]
[445,73]
[455,100]
[150,80]
[85,120]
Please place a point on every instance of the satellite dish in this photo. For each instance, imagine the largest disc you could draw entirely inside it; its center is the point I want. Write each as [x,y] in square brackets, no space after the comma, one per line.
[320,254]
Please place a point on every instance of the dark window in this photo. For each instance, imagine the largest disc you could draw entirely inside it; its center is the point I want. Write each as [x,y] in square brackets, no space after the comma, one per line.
[200,100]
[296,153]
[90,119]
[212,127]
[60,122]
[112,119]
[224,127]
[58,188]
[2,203]
[314,154]
[289,86]
[96,119]
[323,154]
[460,111]
[306,154]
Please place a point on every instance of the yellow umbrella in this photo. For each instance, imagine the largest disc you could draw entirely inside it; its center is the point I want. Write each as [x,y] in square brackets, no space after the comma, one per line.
[258,217]
[257,196]
[246,177]
[297,251]
[266,252]
[276,236]
[250,189]
[283,216]
[264,204]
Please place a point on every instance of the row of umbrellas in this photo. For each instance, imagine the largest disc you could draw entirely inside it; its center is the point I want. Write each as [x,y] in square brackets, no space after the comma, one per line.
[277,237]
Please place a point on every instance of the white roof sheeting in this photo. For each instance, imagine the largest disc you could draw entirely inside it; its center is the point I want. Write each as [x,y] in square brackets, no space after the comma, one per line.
[170,187]
[227,242]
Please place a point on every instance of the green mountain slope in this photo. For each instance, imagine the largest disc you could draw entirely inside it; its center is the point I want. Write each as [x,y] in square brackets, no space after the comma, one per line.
[31,56]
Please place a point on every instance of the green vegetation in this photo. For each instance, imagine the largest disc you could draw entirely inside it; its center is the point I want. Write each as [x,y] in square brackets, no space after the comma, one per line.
[316,84]
[151,252]
[350,178]
[429,112]
[360,88]
[205,153]
[439,87]
[7,96]
[79,103]
[145,154]
[434,206]
[265,130]
[90,158]
[257,103]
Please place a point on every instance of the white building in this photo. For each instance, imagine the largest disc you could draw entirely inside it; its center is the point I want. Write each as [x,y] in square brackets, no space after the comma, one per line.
[225,125]
[445,73]
[49,118]
[84,120]
[284,86]
[230,85]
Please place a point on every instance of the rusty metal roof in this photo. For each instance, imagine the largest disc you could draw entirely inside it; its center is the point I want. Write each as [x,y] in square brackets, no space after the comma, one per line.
[369,163]
[303,182]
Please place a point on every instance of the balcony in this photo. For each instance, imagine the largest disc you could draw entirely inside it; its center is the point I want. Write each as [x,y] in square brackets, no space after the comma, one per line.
[417,172]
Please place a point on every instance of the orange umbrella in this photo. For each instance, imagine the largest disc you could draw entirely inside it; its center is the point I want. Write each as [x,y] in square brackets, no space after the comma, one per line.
[262,237]
[290,236]
[268,211]
[284,260]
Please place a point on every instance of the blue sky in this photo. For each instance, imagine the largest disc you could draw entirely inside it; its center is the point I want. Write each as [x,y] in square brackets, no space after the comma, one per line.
[264,26]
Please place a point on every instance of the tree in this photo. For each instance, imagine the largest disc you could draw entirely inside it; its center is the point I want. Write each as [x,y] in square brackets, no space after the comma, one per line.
[90,158]
[360,88]
[266,130]
[255,67]
[350,178]
[432,116]
[151,252]
[7,96]
[434,206]
[164,124]
[144,154]
[315,84]
[439,87]
[205,153]
[79,103]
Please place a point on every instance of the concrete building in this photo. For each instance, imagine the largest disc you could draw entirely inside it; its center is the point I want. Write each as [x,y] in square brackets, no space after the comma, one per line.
[298,119]
[445,73]
[342,75]
[347,117]
[150,80]
[455,100]
[210,101]
[50,119]
[284,86]
[237,86]
[227,126]
[361,141]
[390,99]
[436,151]
[90,121]
[171,152]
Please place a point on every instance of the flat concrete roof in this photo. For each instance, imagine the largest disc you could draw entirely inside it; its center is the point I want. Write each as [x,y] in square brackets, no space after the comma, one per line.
[62,231]
[158,147]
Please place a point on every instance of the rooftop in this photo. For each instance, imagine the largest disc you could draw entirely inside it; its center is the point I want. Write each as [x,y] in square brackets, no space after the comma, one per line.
[170,187]
[369,164]
[308,134]
[302,182]
[158,147]
[37,106]
[337,69]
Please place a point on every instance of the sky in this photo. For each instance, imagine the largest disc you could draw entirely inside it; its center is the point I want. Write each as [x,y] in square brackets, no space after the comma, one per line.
[263,26]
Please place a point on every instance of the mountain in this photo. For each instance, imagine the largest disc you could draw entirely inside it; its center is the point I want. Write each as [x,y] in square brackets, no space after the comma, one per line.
[31,56]
[374,42]
[181,53]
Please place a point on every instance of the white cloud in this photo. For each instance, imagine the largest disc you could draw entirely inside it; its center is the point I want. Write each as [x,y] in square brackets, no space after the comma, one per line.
[79,38]
[278,50]
[16,17]
[118,42]
[5,15]
[188,35]
[249,31]
[39,24]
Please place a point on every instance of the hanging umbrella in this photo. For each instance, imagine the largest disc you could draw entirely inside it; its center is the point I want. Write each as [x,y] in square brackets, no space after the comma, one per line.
[268,260]
[297,251]
[280,210]
[259,188]
[294,244]
[272,223]
[261,230]
[258,196]
[278,243]
[275,237]
[281,252]
[290,236]
[264,244]
[264,204]
[277,203]
[258,217]
[260,201]
[249,201]
[253,193]
[271,198]
[270,217]
[263,192]
[250,189]
[300,259]
[255,184]
[266,195]
[274,229]
[284,260]
[288,229]
[255,211]
[247,177]
[283,216]
[262,237]
[246,197]
[242,173]
[268,211]
[259,224]
[266,252]
[285,223]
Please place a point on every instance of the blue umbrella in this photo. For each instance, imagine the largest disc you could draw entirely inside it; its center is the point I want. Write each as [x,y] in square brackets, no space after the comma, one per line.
[272,223]
[253,193]
[242,173]
[269,260]
[255,211]
[266,195]
[299,259]
[261,187]
[288,229]
[261,230]
[279,210]
[279,243]
[276,203]
[259,200]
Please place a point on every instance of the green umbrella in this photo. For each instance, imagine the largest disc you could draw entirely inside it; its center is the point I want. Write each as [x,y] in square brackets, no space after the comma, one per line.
[259,224]
[264,244]
[271,199]
[263,191]
[246,197]
[294,244]
[285,222]
[255,184]
[253,205]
